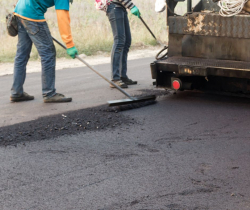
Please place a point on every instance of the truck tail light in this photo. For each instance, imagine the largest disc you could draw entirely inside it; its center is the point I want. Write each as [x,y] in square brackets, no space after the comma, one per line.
[176,84]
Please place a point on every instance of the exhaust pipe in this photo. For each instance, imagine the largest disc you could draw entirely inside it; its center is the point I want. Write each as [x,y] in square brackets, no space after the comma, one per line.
[153,70]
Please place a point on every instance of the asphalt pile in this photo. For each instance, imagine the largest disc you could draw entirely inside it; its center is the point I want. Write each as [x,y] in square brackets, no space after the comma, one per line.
[85,120]
[70,123]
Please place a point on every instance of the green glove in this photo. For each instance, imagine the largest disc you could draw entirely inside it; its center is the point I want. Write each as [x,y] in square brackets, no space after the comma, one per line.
[72,52]
[71,1]
[135,11]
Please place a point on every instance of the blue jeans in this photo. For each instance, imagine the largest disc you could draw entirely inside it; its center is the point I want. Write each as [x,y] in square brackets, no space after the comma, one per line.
[38,33]
[118,18]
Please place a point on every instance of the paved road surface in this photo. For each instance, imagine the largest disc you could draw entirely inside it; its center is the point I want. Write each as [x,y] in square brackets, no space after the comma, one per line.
[190,151]
[86,88]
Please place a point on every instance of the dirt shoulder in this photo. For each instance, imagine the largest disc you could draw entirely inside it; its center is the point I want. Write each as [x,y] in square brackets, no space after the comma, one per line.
[62,63]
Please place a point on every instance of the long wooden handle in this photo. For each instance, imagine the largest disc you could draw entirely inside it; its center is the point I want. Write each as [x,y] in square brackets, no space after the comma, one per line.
[109,81]
[151,31]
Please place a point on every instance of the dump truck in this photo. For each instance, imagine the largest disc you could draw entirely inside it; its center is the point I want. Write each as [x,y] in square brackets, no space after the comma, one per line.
[206,51]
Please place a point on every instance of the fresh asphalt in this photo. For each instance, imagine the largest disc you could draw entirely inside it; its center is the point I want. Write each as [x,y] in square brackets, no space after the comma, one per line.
[189,151]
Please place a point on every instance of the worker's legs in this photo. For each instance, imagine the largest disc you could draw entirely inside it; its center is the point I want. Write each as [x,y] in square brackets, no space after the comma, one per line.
[126,46]
[40,35]
[22,56]
[116,19]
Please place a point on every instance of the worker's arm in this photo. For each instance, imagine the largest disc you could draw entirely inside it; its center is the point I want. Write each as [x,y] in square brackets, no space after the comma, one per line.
[129,5]
[63,19]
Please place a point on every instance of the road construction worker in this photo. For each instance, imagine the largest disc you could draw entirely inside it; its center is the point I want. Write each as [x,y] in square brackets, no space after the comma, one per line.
[33,28]
[118,18]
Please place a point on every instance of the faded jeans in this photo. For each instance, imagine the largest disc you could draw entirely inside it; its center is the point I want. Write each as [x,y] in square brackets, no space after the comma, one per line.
[118,18]
[38,33]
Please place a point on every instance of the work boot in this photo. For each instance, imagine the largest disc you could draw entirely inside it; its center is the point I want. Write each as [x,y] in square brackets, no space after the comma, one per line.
[119,83]
[23,97]
[128,81]
[57,98]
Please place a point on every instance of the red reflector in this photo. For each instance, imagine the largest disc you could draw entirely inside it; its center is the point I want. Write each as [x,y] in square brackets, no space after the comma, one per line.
[176,84]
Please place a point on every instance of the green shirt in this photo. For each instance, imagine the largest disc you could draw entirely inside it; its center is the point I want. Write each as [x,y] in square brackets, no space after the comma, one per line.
[35,9]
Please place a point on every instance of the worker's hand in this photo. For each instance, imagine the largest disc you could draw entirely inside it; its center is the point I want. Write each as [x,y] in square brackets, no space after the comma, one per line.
[135,11]
[71,1]
[72,52]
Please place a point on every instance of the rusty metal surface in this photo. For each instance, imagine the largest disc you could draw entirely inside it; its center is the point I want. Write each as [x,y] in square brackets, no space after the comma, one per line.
[223,48]
[193,70]
[210,63]
[211,24]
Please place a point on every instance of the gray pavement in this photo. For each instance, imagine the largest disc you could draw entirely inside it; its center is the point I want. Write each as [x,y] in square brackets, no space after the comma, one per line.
[85,87]
[189,151]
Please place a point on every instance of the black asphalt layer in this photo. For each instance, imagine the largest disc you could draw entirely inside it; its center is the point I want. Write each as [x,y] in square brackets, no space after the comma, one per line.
[69,123]
[188,151]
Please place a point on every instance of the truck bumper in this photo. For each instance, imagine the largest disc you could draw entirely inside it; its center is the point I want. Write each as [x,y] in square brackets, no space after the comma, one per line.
[197,72]
[189,66]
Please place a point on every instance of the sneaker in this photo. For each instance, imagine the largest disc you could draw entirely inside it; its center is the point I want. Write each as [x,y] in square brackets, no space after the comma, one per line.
[119,83]
[57,98]
[23,97]
[128,81]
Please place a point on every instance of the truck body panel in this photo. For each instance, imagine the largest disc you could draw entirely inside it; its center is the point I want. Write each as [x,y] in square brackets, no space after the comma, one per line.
[206,51]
